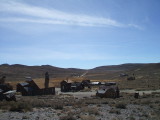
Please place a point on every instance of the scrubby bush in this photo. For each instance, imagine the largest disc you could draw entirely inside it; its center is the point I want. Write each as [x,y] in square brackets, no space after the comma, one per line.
[59,106]
[121,105]
[87,117]
[90,110]
[21,107]
[67,117]
[115,111]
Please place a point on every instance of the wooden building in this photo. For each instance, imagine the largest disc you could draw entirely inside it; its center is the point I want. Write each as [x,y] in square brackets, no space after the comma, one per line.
[77,86]
[109,90]
[66,85]
[30,88]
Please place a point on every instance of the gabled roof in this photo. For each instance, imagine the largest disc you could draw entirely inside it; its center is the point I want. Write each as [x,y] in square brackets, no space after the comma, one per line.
[105,87]
[101,91]
[24,84]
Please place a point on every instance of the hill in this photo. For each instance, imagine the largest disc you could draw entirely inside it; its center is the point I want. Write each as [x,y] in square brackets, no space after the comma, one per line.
[151,70]
[18,72]
[147,75]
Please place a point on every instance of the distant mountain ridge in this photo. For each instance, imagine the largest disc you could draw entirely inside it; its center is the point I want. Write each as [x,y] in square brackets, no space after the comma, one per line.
[18,71]
[121,67]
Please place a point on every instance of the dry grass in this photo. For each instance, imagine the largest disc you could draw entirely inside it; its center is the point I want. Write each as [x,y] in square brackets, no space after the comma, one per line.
[139,84]
[67,117]
[121,105]
[20,106]
[26,103]
[90,110]
[88,117]
[115,111]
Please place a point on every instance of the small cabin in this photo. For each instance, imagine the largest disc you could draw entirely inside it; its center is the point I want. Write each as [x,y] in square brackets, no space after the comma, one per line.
[109,90]
[66,85]
[77,86]
[86,83]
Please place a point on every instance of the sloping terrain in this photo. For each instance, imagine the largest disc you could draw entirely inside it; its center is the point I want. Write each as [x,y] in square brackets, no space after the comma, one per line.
[19,72]
[147,75]
[151,71]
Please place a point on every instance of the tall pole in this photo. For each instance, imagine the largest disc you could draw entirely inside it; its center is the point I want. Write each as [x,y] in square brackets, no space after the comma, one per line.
[46,84]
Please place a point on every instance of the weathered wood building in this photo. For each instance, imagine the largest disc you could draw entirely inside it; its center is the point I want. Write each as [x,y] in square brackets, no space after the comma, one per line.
[109,90]
[30,88]
[68,85]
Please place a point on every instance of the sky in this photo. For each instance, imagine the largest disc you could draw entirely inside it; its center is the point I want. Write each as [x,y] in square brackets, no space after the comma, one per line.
[79,33]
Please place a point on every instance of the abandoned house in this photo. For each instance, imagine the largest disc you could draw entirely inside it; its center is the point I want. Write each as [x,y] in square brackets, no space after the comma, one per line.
[77,86]
[86,83]
[66,85]
[6,91]
[30,88]
[109,90]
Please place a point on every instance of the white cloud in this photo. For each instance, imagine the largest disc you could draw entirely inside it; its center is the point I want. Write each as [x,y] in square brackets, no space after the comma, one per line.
[135,26]
[32,14]
[41,54]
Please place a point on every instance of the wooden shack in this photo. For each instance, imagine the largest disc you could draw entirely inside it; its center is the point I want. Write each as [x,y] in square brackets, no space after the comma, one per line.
[30,88]
[86,83]
[77,86]
[109,90]
[66,85]
[6,92]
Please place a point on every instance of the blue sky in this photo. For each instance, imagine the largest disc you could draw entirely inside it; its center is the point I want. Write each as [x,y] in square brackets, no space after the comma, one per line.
[79,33]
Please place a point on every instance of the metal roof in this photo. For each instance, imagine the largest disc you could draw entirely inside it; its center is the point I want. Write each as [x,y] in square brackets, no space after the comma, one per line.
[24,84]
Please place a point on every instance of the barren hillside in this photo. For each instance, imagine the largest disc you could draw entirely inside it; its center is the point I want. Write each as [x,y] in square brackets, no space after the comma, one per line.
[147,75]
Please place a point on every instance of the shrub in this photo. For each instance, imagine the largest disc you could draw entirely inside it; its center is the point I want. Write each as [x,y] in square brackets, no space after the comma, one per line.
[115,111]
[21,107]
[92,101]
[146,102]
[121,105]
[87,117]
[25,117]
[5,105]
[60,107]
[104,102]
[67,117]
[131,118]
[90,110]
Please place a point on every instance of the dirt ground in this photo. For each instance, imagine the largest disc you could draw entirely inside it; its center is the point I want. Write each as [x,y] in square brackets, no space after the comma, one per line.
[85,106]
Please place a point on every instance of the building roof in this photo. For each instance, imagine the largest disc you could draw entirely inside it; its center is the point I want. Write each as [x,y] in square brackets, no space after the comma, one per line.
[76,84]
[94,83]
[110,83]
[101,91]
[24,84]
[105,89]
